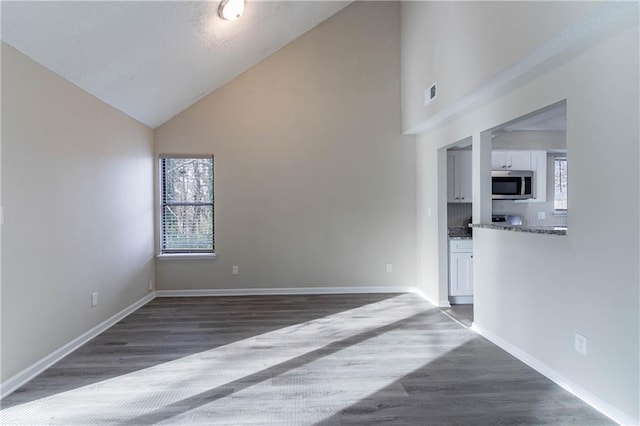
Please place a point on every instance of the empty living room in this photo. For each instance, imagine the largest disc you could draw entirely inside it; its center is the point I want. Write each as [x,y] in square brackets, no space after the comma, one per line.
[264,212]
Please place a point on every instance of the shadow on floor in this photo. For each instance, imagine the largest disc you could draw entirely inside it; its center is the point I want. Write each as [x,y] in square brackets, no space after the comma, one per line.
[167,329]
[196,401]
[475,384]
[460,313]
[397,362]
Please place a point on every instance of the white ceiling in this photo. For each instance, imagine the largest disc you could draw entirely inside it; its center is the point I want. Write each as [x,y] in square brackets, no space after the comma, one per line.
[153,59]
[551,118]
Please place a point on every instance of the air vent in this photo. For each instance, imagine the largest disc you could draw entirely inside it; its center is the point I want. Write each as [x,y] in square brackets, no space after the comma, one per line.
[430,94]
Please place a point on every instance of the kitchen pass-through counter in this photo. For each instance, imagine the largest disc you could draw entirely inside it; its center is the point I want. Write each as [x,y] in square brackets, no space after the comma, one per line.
[549,230]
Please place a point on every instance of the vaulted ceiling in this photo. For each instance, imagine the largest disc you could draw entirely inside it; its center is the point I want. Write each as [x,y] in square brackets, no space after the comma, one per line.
[153,59]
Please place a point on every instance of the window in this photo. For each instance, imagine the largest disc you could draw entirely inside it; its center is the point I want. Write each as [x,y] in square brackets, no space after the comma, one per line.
[187,205]
[560,185]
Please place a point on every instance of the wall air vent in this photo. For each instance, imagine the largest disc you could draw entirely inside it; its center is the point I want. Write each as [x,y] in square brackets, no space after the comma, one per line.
[430,94]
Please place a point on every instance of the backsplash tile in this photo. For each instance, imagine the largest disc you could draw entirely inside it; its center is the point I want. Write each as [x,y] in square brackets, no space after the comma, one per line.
[458,214]
[529,212]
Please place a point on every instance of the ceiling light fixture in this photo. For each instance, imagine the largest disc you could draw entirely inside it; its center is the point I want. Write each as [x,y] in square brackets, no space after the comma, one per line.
[231,9]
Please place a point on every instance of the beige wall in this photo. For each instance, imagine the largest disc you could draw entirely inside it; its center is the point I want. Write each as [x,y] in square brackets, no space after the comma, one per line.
[461,45]
[78,211]
[534,292]
[314,184]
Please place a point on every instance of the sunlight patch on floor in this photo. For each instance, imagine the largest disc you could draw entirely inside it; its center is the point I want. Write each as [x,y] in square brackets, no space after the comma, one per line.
[316,391]
[316,387]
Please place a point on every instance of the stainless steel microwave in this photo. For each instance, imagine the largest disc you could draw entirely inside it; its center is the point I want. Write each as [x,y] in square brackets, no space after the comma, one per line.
[511,184]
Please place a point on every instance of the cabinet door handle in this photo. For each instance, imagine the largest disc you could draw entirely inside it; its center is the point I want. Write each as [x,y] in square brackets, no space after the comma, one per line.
[472,256]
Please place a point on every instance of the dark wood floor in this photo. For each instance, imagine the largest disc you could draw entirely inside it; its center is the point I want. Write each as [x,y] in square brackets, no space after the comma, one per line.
[299,360]
[463,314]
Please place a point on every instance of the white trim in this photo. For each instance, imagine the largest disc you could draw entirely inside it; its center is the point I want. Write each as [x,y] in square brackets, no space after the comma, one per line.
[441,304]
[451,317]
[461,300]
[181,256]
[14,382]
[280,291]
[591,399]
[591,25]
[444,304]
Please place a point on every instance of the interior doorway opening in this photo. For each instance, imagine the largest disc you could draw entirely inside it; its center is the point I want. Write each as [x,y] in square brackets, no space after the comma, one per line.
[534,143]
[459,233]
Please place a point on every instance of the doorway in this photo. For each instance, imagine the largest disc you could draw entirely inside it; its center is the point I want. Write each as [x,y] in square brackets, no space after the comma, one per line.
[459,234]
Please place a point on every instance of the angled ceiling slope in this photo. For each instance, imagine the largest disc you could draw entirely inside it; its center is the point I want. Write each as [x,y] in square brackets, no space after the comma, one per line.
[153,59]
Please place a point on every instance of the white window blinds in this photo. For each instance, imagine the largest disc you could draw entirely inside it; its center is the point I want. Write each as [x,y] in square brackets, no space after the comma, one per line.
[560,184]
[187,204]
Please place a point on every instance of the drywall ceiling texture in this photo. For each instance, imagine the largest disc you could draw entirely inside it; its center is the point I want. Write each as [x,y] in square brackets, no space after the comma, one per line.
[314,183]
[78,211]
[153,59]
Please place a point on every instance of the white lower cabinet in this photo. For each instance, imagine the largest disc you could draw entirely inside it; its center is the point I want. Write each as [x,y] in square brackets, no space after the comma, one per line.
[460,271]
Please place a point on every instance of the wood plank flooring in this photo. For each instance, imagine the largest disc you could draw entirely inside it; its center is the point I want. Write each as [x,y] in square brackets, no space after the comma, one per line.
[292,360]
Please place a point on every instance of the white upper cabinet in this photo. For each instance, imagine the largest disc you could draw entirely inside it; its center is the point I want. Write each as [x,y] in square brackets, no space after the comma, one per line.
[511,160]
[459,187]
[539,167]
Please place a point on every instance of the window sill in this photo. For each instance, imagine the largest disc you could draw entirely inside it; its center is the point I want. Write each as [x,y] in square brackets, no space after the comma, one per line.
[181,256]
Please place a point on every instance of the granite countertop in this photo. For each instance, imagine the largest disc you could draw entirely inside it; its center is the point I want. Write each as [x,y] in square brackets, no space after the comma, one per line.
[459,233]
[549,230]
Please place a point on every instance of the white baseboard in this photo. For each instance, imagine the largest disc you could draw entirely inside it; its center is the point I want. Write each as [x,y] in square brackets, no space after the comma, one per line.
[440,304]
[32,371]
[594,401]
[281,291]
[461,300]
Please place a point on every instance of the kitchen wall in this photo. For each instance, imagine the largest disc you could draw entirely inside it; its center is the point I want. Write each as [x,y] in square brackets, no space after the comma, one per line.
[458,214]
[314,184]
[548,140]
[529,211]
[78,211]
[533,292]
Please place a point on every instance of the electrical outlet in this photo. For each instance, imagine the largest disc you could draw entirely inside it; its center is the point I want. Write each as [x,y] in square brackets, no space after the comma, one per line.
[234,270]
[581,344]
[389,267]
[542,215]
[94,299]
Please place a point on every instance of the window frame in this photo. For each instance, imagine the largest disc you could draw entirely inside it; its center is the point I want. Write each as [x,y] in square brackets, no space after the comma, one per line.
[182,254]
[556,211]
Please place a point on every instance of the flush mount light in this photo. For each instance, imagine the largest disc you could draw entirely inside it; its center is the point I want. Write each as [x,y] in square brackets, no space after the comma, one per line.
[231,9]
